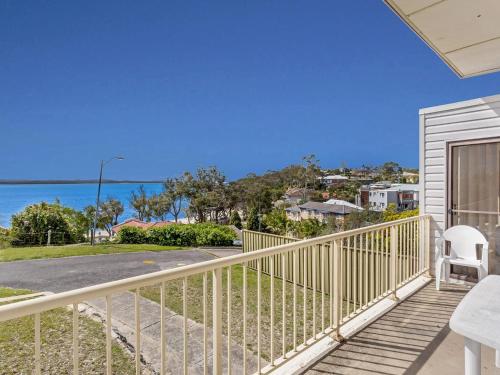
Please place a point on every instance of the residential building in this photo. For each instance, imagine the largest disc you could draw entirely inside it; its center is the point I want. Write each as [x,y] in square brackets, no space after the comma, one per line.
[379,196]
[296,195]
[340,202]
[320,211]
[332,180]
[410,177]
[136,223]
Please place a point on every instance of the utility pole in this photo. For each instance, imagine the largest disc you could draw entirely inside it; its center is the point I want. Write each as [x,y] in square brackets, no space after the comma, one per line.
[97,203]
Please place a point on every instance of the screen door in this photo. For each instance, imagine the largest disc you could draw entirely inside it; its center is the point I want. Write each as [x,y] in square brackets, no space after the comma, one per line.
[474,194]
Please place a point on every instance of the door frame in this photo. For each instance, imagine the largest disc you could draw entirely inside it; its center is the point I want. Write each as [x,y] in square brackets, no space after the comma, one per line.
[449,170]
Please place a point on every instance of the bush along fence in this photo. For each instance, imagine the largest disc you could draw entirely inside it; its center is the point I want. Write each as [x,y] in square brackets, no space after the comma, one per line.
[367,252]
[179,235]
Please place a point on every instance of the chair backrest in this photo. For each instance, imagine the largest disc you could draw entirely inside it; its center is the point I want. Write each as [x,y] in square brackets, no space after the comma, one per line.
[464,240]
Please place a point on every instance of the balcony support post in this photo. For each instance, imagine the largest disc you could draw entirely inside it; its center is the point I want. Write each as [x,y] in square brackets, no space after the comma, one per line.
[394,262]
[217,321]
[427,246]
[337,293]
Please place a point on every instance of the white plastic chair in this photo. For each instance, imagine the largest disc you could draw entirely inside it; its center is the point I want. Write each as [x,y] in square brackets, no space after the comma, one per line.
[463,240]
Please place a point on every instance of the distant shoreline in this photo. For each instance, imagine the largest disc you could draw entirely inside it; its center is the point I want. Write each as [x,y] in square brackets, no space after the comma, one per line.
[74,182]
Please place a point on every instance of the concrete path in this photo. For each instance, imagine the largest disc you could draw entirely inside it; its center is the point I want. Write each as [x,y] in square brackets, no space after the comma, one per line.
[124,328]
[62,274]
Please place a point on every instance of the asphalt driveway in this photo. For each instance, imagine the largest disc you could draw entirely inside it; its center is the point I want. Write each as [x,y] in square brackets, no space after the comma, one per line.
[62,274]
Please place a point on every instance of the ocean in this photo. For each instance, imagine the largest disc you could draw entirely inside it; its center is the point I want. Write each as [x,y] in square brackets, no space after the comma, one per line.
[13,198]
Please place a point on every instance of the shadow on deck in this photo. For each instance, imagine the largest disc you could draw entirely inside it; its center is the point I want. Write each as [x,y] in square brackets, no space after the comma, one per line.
[414,337]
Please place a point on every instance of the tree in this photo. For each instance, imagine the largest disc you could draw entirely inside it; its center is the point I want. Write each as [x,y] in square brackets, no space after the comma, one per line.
[89,213]
[276,221]
[174,191]
[391,171]
[346,191]
[109,212]
[359,219]
[312,171]
[159,206]
[235,220]
[206,192]
[310,228]
[253,220]
[140,203]
[31,226]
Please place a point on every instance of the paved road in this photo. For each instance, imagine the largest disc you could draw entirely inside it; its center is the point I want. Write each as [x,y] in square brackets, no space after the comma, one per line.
[59,275]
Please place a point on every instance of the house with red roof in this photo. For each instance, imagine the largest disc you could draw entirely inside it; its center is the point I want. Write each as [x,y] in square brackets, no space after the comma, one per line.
[133,222]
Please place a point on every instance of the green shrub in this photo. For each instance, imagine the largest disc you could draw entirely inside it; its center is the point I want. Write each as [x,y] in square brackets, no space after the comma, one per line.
[180,235]
[253,220]
[132,235]
[235,220]
[391,213]
[214,235]
[172,235]
[31,226]
[5,238]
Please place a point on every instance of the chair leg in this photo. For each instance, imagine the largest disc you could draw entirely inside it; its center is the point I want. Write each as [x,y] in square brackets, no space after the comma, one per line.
[482,272]
[447,271]
[439,266]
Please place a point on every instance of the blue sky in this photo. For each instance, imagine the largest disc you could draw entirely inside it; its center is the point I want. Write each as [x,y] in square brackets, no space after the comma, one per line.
[247,86]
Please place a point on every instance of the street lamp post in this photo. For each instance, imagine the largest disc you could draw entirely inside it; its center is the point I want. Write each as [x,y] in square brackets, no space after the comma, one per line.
[94,224]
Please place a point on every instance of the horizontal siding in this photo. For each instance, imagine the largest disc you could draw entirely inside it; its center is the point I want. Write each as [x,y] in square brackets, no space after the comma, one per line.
[467,104]
[434,161]
[434,153]
[454,123]
[464,118]
[435,177]
[432,201]
[436,145]
[465,134]
[429,193]
[438,185]
[464,125]
[434,169]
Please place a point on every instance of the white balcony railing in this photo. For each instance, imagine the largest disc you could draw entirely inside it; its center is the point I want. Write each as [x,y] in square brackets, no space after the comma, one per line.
[304,290]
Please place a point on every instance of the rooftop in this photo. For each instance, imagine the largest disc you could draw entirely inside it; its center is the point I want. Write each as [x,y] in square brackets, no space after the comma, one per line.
[327,207]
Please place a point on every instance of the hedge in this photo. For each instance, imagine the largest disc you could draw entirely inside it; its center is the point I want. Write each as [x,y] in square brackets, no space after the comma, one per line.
[179,235]
[132,235]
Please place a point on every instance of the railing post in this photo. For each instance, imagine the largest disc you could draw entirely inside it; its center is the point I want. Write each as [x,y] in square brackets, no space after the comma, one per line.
[394,262]
[337,296]
[217,321]
[427,247]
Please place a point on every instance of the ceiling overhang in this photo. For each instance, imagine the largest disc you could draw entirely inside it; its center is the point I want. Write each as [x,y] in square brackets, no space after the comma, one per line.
[464,33]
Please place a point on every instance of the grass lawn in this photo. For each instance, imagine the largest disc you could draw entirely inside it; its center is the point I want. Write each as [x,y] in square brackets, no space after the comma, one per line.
[17,344]
[23,253]
[195,308]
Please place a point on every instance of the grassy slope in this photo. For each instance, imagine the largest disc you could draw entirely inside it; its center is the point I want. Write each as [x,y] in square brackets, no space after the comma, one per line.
[23,253]
[195,308]
[17,348]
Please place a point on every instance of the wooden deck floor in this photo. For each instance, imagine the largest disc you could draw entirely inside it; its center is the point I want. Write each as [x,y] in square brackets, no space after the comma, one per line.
[414,337]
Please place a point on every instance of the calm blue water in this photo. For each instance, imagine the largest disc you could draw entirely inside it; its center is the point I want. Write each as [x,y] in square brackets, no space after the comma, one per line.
[13,198]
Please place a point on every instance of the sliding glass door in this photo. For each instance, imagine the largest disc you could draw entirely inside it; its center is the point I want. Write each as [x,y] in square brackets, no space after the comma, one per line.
[474,193]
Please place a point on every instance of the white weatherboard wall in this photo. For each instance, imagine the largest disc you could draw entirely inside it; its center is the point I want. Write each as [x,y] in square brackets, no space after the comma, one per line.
[463,121]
